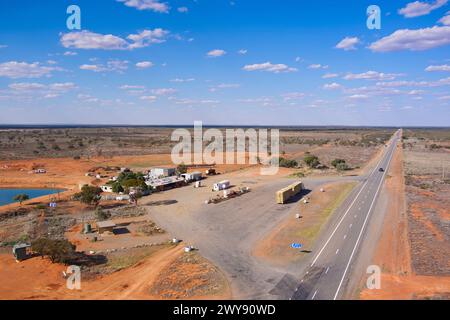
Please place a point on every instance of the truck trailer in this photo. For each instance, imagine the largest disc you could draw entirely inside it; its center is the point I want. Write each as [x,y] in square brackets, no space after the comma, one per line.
[283,195]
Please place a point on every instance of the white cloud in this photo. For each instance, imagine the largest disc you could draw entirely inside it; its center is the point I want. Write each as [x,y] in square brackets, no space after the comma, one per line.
[152,5]
[164,91]
[38,90]
[180,80]
[332,86]
[371,75]
[317,66]
[90,40]
[26,86]
[70,53]
[444,67]
[131,87]
[348,43]
[144,64]
[51,96]
[183,9]
[330,75]
[224,86]
[216,53]
[293,96]
[414,40]
[445,20]
[92,67]
[66,86]
[243,51]
[359,96]
[112,65]
[418,8]
[269,67]
[147,37]
[3,46]
[15,70]
[438,83]
[149,98]
[193,102]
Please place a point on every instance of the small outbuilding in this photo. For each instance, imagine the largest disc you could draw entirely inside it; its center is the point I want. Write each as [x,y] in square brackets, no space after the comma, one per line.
[162,172]
[21,251]
[105,226]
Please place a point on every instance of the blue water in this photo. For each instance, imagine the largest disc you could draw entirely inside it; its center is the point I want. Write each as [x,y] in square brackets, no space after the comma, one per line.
[7,195]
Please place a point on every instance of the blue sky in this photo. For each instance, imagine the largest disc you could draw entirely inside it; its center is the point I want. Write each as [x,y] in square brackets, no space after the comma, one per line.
[225,62]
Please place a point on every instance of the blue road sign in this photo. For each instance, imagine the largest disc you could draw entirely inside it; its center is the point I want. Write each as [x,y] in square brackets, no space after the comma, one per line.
[296,245]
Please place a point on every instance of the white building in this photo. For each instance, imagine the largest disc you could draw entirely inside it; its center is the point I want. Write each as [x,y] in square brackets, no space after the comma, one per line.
[162,172]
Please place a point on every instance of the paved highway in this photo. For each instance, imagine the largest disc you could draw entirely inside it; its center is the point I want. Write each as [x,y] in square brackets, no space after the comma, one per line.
[328,274]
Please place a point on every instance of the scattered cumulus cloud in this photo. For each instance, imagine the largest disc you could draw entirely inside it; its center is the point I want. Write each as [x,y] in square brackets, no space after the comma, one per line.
[419,8]
[371,75]
[164,91]
[15,70]
[216,53]
[413,40]
[149,98]
[112,65]
[330,75]
[445,20]
[152,5]
[269,67]
[90,40]
[146,38]
[444,67]
[317,66]
[181,80]
[332,86]
[183,9]
[348,43]
[144,64]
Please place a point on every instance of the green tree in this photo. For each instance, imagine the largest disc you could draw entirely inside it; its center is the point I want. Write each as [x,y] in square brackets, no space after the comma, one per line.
[59,251]
[342,166]
[311,161]
[117,188]
[21,198]
[89,195]
[182,168]
[335,162]
[287,163]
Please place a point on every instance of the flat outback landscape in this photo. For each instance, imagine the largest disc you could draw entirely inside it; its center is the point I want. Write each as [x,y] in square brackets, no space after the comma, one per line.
[232,242]
[225,159]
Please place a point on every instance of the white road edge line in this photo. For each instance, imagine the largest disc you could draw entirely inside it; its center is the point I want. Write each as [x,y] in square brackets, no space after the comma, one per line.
[343,217]
[363,227]
[314,295]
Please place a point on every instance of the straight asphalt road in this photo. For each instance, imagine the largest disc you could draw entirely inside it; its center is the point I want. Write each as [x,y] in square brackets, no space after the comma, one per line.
[328,274]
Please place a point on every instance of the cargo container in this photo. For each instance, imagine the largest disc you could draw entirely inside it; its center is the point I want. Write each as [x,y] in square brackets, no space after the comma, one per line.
[223,185]
[283,195]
